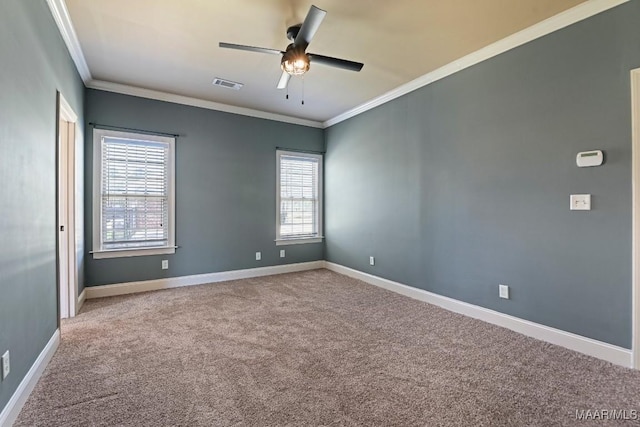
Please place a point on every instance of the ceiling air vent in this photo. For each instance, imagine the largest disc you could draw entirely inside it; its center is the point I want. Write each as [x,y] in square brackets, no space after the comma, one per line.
[227,83]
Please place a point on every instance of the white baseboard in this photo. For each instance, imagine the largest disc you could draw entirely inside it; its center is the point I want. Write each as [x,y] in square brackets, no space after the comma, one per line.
[81,299]
[20,396]
[591,347]
[198,279]
[611,353]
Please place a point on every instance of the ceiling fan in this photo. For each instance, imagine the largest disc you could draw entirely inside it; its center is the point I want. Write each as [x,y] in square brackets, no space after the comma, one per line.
[295,60]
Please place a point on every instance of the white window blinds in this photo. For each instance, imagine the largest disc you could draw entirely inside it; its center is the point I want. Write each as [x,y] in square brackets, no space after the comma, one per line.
[299,204]
[134,193]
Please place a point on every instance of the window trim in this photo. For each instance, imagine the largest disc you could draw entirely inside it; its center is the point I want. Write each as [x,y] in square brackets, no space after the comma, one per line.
[98,252]
[280,241]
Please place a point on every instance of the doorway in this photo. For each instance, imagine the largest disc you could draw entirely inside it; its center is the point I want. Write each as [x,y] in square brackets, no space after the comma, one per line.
[66,179]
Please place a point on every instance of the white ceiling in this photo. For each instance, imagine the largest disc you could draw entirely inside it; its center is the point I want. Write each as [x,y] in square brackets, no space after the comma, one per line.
[171,46]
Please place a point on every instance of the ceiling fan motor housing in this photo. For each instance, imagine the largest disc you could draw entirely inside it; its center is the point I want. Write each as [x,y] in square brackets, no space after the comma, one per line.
[292,31]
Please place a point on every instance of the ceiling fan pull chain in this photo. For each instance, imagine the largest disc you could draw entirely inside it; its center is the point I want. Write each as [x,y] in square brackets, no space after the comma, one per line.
[303,89]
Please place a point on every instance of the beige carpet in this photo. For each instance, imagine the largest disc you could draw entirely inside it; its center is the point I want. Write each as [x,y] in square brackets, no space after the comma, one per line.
[311,348]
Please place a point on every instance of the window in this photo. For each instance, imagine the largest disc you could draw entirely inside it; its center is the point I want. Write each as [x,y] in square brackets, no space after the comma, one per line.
[133,196]
[299,198]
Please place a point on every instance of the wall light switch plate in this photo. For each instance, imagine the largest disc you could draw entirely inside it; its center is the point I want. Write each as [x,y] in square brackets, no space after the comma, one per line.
[372,261]
[258,256]
[165,264]
[504,291]
[281,253]
[580,202]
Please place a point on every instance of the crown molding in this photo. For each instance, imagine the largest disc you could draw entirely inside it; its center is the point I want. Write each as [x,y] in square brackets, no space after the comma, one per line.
[549,25]
[63,21]
[195,102]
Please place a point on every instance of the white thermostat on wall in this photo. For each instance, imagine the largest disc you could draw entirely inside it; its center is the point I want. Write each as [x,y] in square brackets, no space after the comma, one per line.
[589,158]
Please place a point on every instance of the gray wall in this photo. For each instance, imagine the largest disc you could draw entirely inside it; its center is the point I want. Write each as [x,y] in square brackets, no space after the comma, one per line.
[225,188]
[454,188]
[35,63]
[464,184]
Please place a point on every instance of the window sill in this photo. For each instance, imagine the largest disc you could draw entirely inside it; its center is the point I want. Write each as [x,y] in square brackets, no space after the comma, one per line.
[298,241]
[121,253]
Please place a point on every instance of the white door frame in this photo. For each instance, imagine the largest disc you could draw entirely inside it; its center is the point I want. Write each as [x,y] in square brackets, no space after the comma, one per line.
[68,289]
[635,185]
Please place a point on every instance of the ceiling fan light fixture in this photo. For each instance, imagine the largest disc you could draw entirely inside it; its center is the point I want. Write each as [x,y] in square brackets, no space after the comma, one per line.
[295,61]
[296,67]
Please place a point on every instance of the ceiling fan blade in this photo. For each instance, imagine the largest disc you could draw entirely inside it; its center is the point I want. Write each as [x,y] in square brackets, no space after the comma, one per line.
[309,26]
[250,48]
[284,80]
[335,62]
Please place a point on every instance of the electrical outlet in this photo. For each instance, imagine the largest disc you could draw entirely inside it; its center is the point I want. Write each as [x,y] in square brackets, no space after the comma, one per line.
[281,253]
[165,264]
[503,291]
[6,364]
[372,261]
[258,256]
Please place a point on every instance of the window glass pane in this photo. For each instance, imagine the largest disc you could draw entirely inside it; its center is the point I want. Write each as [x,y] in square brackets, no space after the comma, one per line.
[298,196]
[134,193]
